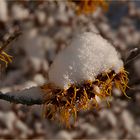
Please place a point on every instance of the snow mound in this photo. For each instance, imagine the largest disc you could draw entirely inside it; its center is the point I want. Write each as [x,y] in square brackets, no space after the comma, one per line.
[88,55]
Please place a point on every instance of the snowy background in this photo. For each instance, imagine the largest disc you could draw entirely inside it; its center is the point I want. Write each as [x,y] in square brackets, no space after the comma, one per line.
[47,28]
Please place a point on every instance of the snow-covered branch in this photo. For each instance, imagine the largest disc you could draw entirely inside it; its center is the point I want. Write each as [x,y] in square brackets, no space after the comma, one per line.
[29,96]
[78,62]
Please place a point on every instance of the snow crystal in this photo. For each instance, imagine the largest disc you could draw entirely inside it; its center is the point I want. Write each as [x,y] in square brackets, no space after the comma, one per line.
[88,55]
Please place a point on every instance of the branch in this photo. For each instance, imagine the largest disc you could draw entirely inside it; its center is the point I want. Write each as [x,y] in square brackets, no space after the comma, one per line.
[9,40]
[29,96]
[34,95]
[132,55]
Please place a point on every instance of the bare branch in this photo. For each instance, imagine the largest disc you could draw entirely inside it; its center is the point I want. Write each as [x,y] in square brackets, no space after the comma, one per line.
[29,96]
[10,39]
[132,55]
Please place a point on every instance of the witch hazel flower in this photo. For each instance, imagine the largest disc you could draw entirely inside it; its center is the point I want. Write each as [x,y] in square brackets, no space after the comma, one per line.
[5,58]
[89,6]
[81,75]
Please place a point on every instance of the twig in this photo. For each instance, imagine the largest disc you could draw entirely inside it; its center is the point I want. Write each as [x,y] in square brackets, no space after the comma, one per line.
[132,55]
[29,96]
[10,39]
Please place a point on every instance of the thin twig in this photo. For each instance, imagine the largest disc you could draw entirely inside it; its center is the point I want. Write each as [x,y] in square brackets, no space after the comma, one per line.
[9,40]
[29,96]
[132,55]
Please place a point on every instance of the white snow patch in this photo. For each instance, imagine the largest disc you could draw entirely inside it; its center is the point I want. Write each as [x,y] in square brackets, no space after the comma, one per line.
[88,55]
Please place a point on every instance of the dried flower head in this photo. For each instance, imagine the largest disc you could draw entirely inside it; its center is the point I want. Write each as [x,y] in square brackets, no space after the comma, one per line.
[89,6]
[86,70]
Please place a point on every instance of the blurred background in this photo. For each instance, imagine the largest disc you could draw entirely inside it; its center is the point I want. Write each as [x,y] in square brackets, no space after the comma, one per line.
[47,27]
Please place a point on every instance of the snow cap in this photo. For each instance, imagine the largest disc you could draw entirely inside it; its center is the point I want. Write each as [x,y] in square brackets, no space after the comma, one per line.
[88,55]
